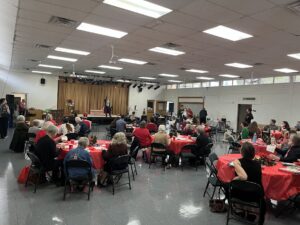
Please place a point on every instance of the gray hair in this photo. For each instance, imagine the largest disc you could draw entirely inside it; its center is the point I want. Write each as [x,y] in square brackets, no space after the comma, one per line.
[119,138]
[52,130]
[78,119]
[21,118]
[36,123]
[83,142]
[162,128]
[46,125]
[48,117]
[200,130]
[143,124]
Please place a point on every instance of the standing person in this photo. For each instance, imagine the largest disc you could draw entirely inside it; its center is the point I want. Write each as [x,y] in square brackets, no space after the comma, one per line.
[121,124]
[22,107]
[203,115]
[249,116]
[4,115]
[107,107]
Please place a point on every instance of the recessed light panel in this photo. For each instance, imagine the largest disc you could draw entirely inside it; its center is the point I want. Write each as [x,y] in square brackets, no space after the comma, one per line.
[238,65]
[294,55]
[41,72]
[140,6]
[71,51]
[175,81]
[286,70]
[101,30]
[196,71]
[110,67]
[148,78]
[229,75]
[133,61]
[166,51]
[50,66]
[61,58]
[205,78]
[168,75]
[227,33]
[94,71]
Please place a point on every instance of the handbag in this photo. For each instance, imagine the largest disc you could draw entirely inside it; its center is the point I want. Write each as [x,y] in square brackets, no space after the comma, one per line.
[23,175]
[217,205]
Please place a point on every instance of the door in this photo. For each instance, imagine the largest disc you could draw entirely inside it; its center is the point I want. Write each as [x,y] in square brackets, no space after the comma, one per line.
[241,114]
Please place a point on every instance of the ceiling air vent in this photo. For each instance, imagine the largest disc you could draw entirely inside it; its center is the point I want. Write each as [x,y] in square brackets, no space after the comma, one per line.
[170,45]
[43,46]
[151,63]
[258,64]
[183,68]
[33,60]
[61,21]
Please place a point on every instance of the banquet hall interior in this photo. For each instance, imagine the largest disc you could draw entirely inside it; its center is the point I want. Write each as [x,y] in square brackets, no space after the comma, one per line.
[147,112]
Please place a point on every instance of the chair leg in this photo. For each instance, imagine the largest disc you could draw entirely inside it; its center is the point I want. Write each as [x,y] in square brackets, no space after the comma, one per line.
[213,193]
[135,168]
[89,191]
[65,190]
[131,167]
[228,214]
[150,161]
[206,189]
[36,182]
[129,180]
[28,176]
[113,184]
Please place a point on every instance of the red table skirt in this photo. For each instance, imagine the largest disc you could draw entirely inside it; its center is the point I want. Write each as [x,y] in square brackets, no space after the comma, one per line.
[278,185]
[96,154]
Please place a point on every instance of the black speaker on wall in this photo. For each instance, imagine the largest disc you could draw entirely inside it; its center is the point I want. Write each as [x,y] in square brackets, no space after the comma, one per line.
[171,107]
[43,81]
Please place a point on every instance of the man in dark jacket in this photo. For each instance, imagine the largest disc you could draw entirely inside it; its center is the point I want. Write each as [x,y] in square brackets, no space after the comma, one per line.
[46,152]
[20,135]
[203,115]
[201,142]
[81,128]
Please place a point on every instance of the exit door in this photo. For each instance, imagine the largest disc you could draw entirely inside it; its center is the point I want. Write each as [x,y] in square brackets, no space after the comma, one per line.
[242,114]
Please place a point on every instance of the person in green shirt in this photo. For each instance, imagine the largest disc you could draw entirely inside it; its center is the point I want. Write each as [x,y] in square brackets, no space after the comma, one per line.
[245,131]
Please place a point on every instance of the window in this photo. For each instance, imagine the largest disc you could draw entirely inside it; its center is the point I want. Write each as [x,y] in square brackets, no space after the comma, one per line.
[171,86]
[180,86]
[188,85]
[297,78]
[281,80]
[227,83]
[214,83]
[237,82]
[266,80]
[196,85]
[251,81]
[205,84]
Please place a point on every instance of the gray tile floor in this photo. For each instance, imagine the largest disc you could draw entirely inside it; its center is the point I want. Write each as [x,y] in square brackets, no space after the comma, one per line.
[157,197]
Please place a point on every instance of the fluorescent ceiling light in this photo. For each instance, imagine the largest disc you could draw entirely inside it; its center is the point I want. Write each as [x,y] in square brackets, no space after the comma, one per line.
[101,30]
[196,71]
[110,67]
[72,51]
[123,81]
[43,72]
[227,33]
[175,81]
[50,66]
[205,78]
[229,75]
[61,58]
[294,55]
[286,70]
[166,51]
[238,65]
[140,6]
[134,61]
[94,71]
[168,75]
[148,78]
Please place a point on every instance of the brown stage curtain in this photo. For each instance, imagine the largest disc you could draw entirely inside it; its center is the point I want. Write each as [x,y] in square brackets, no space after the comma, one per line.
[88,96]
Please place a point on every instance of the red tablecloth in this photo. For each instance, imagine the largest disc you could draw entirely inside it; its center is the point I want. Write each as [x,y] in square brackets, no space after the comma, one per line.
[278,185]
[180,141]
[277,134]
[95,152]
[259,145]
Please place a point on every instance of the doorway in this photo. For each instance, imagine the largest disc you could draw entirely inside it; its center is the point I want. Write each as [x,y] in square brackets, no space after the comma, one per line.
[242,114]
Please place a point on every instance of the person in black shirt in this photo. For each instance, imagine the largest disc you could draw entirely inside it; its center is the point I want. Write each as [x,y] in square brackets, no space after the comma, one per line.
[46,152]
[203,115]
[292,154]
[249,116]
[202,141]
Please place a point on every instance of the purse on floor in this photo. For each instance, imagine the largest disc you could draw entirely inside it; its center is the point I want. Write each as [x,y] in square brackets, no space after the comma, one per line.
[217,205]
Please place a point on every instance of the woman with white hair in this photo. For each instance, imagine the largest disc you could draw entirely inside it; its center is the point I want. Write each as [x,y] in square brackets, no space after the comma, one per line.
[117,148]
[49,118]
[20,135]
[42,132]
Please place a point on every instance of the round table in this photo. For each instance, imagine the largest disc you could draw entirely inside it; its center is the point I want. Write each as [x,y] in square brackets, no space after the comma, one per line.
[178,142]
[278,185]
[259,145]
[95,152]
[276,134]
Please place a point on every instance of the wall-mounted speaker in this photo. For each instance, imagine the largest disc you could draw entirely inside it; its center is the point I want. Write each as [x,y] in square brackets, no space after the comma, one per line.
[43,81]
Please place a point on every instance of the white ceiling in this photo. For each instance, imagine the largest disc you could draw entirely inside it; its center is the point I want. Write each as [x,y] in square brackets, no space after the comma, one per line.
[275,28]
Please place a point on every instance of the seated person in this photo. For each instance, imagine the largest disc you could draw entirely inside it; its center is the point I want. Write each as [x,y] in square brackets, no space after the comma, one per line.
[286,142]
[188,129]
[66,127]
[297,127]
[79,153]
[202,141]
[253,129]
[46,151]
[249,170]
[143,135]
[118,147]
[271,126]
[132,117]
[87,122]
[20,135]
[152,127]
[292,154]
[42,132]
[35,127]
[285,126]
[49,118]
[81,128]
[121,124]
[245,130]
